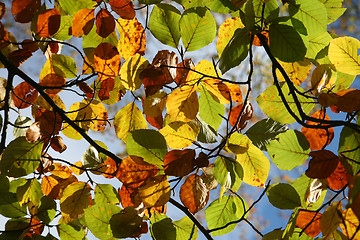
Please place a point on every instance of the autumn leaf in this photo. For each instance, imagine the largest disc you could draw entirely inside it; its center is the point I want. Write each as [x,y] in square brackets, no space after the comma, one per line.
[156,122]
[128,195]
[83,22]
[53,82]
[194,193]
[107,60]
[310,222]
[105,23]
[182,70]
[24,11]
[182,104]
[226,31]
[24,95]
[154,105]
[48,22]
[331,219]
[179,134]
[296,71]
[350,224]
[131,70]
[155,192]
[322,164]
[338,178]
[124,8]
[179,162]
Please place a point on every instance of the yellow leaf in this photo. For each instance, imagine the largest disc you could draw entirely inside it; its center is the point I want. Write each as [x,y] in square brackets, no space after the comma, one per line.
[130,71]
[127,119]
[256,166]
[155,192]
[226,31]
[351,224]
[179,134]
[224,91]
[343,53]
[132,37]
[331,219]
[75,198]
[107,60]
[154,104]
[297,71]
[76,169]
[205,68]
[182,104]
[60,171]
[238,143]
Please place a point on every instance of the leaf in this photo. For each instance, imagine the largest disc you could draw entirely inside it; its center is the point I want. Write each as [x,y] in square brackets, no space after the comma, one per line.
[179,134]
[128,119]
[235,51]
[24,95]
[29,192]
[197,28]
[105,23]
[107,60]
[148,144]
[228,173]
[48,22]
[75,198]
[219,213]
[331,219]
[296,71]
[164,24]
[47,209]
[133,174]
[210,110]
[106,193]
[343,53]
[283,196]
[83,22]
[24,11]
[124,8]
[262,132]
[21,125]
[131,70]
[162,227]
[92,40]
[63,65]
[155,191]
[126,223]
[182,104]
[179,163]
[238,143]
[194,193]
[288,145]
[21,157]
[54,82]
[310,220]
[64,32]
[322,164]
[354,196]
[334,9]
[350,224]
[10,207]
[186,229]
[317,43]
[224,91]
[97,218]
[270,102]
[154,105]
[132,38]
[348,149]
[70,231]
[226,31]
[72,7]
[338,178]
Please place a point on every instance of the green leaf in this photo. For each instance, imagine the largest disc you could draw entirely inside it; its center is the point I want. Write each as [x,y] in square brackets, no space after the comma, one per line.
[283,196]
[197,27]
[65,25]
[262,132]
[236,50]
[126,223]
[164,24]
[291,144]
[228,172]
[21,157]
[272,105]
[343,81]
[254,9]
[210,109]
[161,227]
[70,232]
[106,193]
[71,7]
[97,218]
[185,229]
[334,9]
[92,40]
[10,207]
[191,4]
[64,65]
[218,214]
[4,183]
[92,158]
[286,43]
[349,150]
[22,123]
[47,209]
[30,192]
[221,6]
[311,13]
[148,144]
[207,134]
[317,43]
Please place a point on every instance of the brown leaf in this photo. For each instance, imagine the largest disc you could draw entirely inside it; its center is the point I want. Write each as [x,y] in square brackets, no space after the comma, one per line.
[182,70]
[30,45]
[24,95]
[105,23]
[25,10]
[313,219]
[167,60]
[54,82]
[322,164]
[124,8]
[106,86]
[339,178]
[318,138]
[194,194]
[2,10]
[179,163]
[157,122]
[107,61]
[133,174]
[127,196]
[153,79]
[348,100]
[19,56]
[50,122]
[4,36]
[89,92]
[33,133]
[83,22]
[202,160]
[48,22]
[57,144]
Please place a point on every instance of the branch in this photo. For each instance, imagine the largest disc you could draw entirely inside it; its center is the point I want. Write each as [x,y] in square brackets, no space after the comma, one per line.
[6,108]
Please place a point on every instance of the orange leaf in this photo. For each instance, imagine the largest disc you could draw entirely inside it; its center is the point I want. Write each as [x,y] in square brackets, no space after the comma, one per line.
[322,164]
[245,115]
[257,42]
[105,23]
[4,37]
[48,183]
[182,70]
[318,138]
[225,92]
[54,82]
[53,186]
[127,196]
[49,122]
[24,95]
[107,61]
[48,22]
[179,162]
[133,174]
[132,38]
[76,168]
[106,86]
[83,22]
[194,193]
[35,228]
[25,10]
[60,171]
[2,10]
[310,221]
[350,228]
[155,191]
[124,8]
[111,168]
[339,178]
[155,121]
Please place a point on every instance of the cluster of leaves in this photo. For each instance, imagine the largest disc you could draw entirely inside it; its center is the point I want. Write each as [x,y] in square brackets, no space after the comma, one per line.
[176,125]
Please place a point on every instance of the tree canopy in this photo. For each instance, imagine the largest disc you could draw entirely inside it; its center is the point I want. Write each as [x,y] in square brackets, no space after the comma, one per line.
[191,139]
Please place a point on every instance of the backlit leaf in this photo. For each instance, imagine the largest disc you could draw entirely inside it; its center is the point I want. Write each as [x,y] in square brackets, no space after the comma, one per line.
[310,220]
[283,196]
[30,192]
[126,223]
[197,28]
[343,53]
[348,149]
[72,7]
[162,227]
[10,207]
[228,173]
[179,163]
[154,104]
[107,60]
[186,229]
[105,193]
[105,23]
[331,219]
[226,31]
[203,71]
[132,38]
[130,72]
[124,8]
[288,145]
[24,11]
[182,104]
[54,82]
[83,22]
[334,9]
[296,71]
[179,134]
[70,231]
[155,192]
[224,91]
[24,94]
[350,224]
[211,111]
[48,22]
[317,43]
[338,178]
[322,164]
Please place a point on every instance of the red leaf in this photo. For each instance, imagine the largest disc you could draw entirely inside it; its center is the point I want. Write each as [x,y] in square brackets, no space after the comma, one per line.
[339,178]
[24,95]
[182,71]
[30,45]
[157,122]
[25,10]
[48,22]
[306,217]
[57,144]
[19,56]
[2,10]
[179,162]
[127,196]
[124,8]
[106,86]
[89,92]
[4,36]
[322,164]
[105,23]
[202,160]
[83,22]
[54,82]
